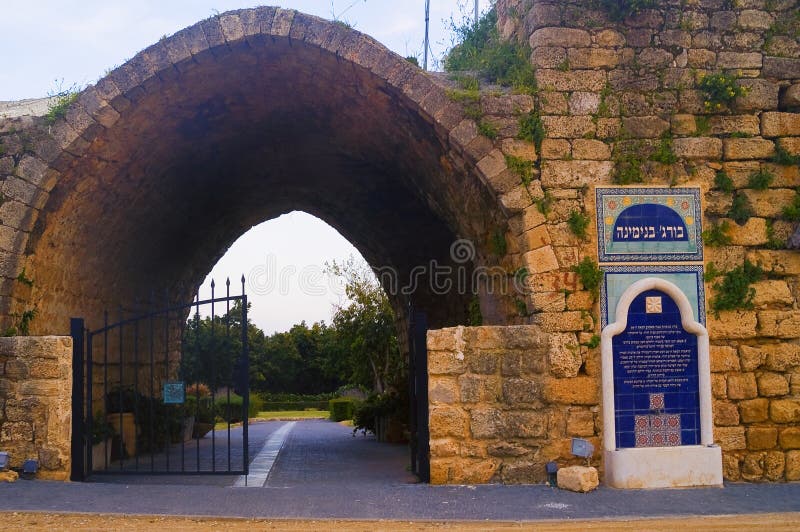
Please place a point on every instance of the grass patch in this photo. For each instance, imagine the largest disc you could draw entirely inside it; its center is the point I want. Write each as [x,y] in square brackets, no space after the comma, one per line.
[717,235]
[783,157]
[479,48]
[760,180]
[792,212]
[59,104]
[293,414]
[663,153]
[522,167]
[740,210]
[628,160]
[723,182]
[531,128]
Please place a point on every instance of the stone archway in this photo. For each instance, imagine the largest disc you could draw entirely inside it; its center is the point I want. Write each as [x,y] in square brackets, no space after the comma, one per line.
[244,116]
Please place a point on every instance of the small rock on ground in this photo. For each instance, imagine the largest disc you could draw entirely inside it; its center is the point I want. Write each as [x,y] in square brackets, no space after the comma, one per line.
[578,478]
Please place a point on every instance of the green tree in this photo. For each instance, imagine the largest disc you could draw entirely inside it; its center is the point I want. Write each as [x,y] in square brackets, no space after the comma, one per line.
[366,330]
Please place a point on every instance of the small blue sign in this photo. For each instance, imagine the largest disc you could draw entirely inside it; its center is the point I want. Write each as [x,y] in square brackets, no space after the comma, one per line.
[650,222]
[174,393]
[656,386]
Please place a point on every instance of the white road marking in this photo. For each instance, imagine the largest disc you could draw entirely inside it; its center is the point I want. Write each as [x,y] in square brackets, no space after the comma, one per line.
[265,459]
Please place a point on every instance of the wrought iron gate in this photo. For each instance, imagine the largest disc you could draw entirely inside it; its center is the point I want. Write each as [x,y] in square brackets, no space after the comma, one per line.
[418,393]
[163,391]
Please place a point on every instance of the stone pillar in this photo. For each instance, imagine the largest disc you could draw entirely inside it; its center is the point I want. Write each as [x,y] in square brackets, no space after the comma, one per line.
[36,402]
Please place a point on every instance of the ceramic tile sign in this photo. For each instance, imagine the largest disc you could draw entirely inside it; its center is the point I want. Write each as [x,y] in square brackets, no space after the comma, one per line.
[649,224]
[656,394]
[617,279]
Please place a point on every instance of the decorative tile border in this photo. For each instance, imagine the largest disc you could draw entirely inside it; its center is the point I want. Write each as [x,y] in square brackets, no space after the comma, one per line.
[649,225]
[616,279]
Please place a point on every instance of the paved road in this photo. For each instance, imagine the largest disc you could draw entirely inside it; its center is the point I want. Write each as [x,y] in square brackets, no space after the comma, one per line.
[323,472]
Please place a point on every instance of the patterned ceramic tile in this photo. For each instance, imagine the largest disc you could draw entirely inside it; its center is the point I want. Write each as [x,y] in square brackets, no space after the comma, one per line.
[657,401]
[649,224]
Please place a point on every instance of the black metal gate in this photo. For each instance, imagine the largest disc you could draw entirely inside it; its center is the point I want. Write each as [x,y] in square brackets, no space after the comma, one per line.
[163,391]
[418,393]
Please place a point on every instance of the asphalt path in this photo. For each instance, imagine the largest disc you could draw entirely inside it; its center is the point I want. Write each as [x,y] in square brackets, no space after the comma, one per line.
[322,471]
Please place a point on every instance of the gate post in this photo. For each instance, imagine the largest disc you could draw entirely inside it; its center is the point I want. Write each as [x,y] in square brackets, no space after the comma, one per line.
[79,442]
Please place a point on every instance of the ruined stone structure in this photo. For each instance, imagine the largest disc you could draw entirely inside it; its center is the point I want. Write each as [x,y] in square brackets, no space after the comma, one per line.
[166,161]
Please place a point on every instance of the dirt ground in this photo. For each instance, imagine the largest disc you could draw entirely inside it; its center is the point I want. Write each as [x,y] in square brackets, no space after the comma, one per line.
[47,521]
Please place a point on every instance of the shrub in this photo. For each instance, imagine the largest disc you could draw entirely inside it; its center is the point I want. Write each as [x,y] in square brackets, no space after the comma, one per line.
[740,210]
[734,290]
[376,406]
[760,180]
[531,128]
[479,48]
[720,90]
[717,235]
[663,153]
[589,274]
[341,409]
[723,182]
[578,222]
[231,410]
[784,158]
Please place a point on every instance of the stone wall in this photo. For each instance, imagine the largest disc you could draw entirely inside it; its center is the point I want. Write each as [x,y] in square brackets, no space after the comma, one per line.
[611,94]
[506,400]
[36,402]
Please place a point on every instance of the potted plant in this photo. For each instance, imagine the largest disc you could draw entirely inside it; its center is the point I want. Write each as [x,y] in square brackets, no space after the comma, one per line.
[200,407]
[102,434]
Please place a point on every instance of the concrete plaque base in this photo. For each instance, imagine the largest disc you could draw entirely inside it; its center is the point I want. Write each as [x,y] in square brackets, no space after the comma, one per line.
[664,467]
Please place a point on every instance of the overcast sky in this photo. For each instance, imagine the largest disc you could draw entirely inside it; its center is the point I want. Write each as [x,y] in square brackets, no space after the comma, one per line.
[48,44]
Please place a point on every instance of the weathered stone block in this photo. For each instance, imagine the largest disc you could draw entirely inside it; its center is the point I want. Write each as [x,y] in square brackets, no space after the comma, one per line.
[781,67]
[738,149]
[726,60]
[732,325]
[541,260]
[725,414]
[730,438]
[724,358]
[753,466]
[575,80]
[486,423]
[516,391]
[525,424]
[760,438]
[442,390]
[761,95]
[772,385]
[575,390]
[575,174]
[793,465]
[698,148]
[568,127]
[754,410]
[742,386]
[446,362]
[769,203]
[446,421]
[564,355]
[537,237]
[751,357]
[784,410]
[779,323]
[731,467]
[583,58]
[752,233]
[564,37]
[560,321]
[781,356]
[648,127]
[789,438]
[580,423]
[578,478]
[780,124]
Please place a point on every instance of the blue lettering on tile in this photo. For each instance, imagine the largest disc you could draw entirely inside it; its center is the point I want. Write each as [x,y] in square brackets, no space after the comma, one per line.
[656,388]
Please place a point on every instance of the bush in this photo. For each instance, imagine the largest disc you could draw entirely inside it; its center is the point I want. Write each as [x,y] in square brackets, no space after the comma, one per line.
[231,409]
[341,409]
[280,406]
[376,406]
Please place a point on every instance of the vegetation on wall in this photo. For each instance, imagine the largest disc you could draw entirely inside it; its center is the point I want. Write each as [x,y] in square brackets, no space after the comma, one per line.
[620,9]
[578,223]
[720,90]
[59,103]
[479,48]
[717,235]
[734,290]
[589,275]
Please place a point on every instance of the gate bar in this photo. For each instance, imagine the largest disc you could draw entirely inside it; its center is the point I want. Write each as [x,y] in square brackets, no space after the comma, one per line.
[79,447]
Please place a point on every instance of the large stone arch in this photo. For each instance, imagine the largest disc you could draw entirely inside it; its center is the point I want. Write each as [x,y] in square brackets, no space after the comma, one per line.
[237,119]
